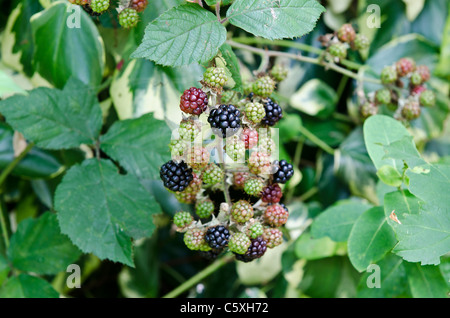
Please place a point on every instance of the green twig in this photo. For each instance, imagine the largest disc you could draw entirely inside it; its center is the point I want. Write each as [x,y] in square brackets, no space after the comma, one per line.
[4,228]
[199,276]
[308,194]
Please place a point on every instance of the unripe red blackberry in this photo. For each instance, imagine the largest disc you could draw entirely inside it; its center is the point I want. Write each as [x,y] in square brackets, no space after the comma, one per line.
[388,75]
[250,137]
[235,148]
[424,71]
[241,211]
[217,237]
[346,33]
[204,208]
[368,109]
[256,249]
[195,240]
[197,157]
[417,90]
[284,171]
[427,98]
[383,96]
[239,179]
[99,6]
[411,110]
[254,186]
[361,42]
[264,86]
[212,174]
[225,120]
[138,5]
[275,215]
[254,112]
[271,193]
[259,163]
[239,243]
[182,219]
[128,18]
[194,101]
[338,50]
[272,236]
[176,175]
[279,72]
[404,66]
[215,77]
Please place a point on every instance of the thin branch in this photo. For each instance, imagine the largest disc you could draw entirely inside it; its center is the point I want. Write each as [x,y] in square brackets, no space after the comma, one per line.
[5,173]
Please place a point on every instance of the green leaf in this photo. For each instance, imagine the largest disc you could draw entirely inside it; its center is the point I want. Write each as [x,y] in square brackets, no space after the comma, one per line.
[275,19]
[443,68]
[37,163]
[426,281]
[101,210]
[405,150]
[39,247]
[62,51]
[337,221]
[370,239]
[144,87]
[8,86]
[140,145]
[379,131]
[393,280]
[233,66]
[310,248]
[390,176]
[315,98]
[181,36]
[55,119]
[26,286]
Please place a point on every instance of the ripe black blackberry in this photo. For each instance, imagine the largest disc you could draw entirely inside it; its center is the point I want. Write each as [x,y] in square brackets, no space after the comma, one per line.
[217,237]
[256,249]
[176,175]
[225,119]
[273,113]
[284,172]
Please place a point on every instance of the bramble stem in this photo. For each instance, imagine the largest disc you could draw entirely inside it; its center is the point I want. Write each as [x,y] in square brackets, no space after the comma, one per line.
[4,229]
[5,173]
[199,276]
[319,142]
[302,58]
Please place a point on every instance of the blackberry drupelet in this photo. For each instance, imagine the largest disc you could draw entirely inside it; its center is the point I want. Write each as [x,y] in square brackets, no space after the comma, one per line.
[284,172]
[225,120]
[273,113]
[176,175]
[217,237]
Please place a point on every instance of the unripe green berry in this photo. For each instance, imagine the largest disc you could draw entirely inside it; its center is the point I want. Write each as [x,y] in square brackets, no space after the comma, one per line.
[368,109]
[212,174]
[411,110]
[255,112]
[361,42]
[215,77]
[235,148]
[182,219]
[338,50]
[195,240]
[253,186]
[383,96]
[279,72]
[204,208]
[99,6]
[189,129]
[239,243]
[128,18]
[388,75]
[264,86]
[427,98]
[416,78]
[241,211]
[255,230]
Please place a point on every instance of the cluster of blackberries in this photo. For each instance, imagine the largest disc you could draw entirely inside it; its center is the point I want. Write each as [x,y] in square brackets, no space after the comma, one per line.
[128,15]
[246,229]
[403,94]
